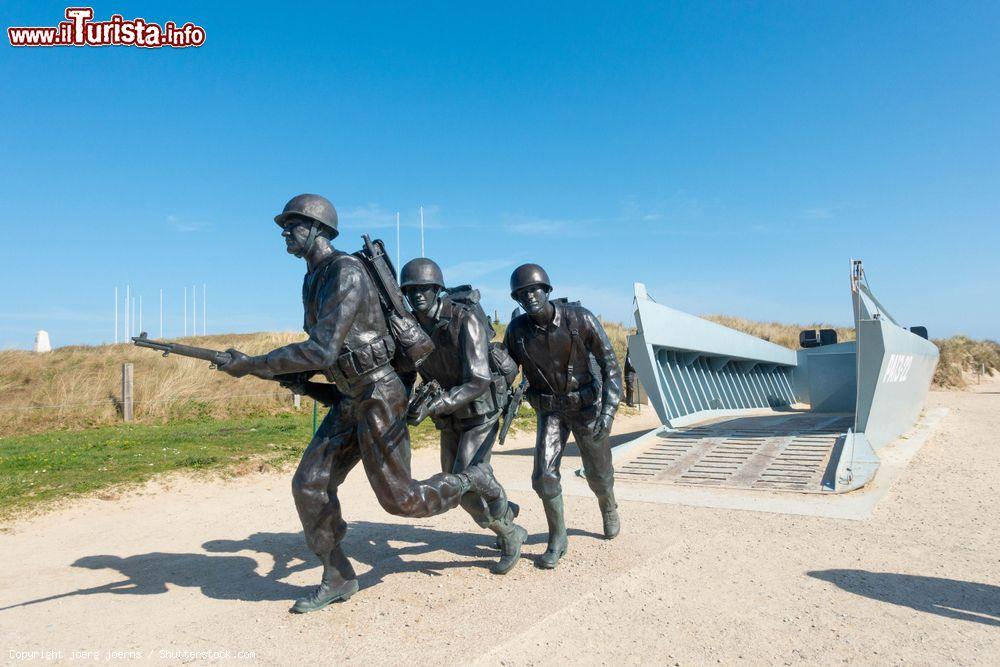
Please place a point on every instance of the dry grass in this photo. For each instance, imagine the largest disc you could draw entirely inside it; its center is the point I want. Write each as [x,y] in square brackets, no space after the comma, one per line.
[786,335]
[80,386]
[961,356]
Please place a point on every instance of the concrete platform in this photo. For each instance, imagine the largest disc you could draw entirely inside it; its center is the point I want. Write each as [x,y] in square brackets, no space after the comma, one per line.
[856,505]
[768,451]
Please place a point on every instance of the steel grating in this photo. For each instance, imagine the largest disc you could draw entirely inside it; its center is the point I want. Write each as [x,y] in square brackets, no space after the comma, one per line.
[787,451]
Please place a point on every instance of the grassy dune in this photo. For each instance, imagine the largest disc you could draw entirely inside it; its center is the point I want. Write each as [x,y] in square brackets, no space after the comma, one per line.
[79,387]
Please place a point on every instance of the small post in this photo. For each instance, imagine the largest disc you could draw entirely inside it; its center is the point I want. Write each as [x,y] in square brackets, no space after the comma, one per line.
[127,392]
[315,417]
[297,401]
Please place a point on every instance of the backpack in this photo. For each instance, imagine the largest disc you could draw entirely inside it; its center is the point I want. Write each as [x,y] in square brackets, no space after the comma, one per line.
[411,340]
[502,366]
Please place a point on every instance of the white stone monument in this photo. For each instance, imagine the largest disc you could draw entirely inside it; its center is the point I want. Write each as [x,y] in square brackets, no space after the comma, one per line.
[42,341]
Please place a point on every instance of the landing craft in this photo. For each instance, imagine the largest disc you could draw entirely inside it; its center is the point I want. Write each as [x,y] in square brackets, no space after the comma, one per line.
[739,411]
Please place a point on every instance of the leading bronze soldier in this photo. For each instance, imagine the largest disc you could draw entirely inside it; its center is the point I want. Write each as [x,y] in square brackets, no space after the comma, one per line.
[467,411]
[553,343]
[349,341]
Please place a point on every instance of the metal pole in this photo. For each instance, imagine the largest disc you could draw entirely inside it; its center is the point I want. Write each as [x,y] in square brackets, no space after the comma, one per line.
[140,313]
[185,311]
[116,315]
[422,232]
[194,310]
[127,297]
[132,321]
[127,392]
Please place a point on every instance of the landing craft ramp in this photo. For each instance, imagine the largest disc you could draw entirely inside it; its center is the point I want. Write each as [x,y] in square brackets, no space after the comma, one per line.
[741,412]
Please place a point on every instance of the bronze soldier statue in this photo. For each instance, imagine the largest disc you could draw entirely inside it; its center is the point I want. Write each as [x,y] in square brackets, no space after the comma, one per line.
[473,379]
[350,342]
[553,343]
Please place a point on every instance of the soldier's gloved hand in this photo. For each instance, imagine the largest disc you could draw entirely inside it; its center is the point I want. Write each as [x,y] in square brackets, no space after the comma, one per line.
[239,363]
[295,382]
[438,407]
[242,364]
[603,426]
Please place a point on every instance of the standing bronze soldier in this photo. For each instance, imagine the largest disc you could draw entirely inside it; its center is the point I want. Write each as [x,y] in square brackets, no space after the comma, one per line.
[553,343]
[474,393]
[349,342]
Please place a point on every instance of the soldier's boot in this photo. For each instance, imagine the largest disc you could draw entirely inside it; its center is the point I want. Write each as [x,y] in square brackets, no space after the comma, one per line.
[511,536]
[516,509]
[339,583]
[557,533]
[609,514]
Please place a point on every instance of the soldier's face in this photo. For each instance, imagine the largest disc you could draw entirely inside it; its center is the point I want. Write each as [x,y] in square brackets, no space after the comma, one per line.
[296,234]
[421,297]
[532,298]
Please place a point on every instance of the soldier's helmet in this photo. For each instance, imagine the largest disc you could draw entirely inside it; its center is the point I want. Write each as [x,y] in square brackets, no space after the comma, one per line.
[527,275]
[313,207]
[421,271]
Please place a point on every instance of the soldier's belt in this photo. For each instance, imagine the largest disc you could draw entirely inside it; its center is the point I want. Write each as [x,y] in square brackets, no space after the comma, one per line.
[576,400]
[363,361]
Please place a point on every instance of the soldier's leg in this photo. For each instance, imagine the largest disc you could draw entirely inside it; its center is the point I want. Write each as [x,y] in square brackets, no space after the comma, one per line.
[550,442]
[385,451]
[598,468]
[474,447]
[330,456]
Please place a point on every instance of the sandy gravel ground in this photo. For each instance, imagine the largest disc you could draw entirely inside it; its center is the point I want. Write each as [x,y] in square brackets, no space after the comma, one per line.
[208,565]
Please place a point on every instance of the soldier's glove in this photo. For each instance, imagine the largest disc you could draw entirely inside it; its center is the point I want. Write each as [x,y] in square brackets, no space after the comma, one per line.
[241,364]
[295,382]
[438,407]
[603,426]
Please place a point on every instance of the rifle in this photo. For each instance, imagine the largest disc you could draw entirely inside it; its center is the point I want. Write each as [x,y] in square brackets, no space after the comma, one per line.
[420,402]
[512,408]
[214,357]
[296,382]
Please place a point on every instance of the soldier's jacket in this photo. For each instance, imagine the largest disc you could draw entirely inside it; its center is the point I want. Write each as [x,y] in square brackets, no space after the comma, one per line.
[348,339]
[555,365]
[460,360]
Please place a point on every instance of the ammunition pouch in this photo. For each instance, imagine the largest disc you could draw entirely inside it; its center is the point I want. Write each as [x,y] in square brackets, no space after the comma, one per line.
[363,365]
[413,340]
[585,398]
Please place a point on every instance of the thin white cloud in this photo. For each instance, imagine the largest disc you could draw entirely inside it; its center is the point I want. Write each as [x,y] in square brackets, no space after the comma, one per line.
[468,271]
[369,216]
[534,226]
[817,213]
[182,225]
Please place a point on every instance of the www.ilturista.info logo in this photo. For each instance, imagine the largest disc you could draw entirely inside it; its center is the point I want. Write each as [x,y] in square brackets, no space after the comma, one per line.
[81,30]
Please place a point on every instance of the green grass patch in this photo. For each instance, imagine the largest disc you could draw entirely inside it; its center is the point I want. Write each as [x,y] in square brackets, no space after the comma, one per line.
[41,468]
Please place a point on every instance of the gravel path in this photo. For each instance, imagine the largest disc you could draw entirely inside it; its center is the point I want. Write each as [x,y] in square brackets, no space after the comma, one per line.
[194,568]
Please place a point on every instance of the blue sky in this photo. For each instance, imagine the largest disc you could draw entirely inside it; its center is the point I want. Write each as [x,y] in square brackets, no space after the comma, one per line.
[733,156]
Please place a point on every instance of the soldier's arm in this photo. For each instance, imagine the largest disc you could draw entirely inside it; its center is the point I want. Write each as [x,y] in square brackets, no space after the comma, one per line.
[600,346]
[341,296]
[474,347]
[508,343]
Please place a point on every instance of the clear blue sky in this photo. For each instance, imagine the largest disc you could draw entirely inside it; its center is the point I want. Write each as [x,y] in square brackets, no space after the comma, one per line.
[733,156]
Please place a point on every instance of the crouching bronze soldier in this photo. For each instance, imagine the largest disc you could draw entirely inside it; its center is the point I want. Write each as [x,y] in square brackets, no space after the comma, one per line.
[473,378]
[553,343]
[349,342]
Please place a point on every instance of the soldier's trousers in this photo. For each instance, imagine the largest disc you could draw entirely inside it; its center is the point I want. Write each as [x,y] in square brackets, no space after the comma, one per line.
[463,445]
[554,427]
[369,427]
